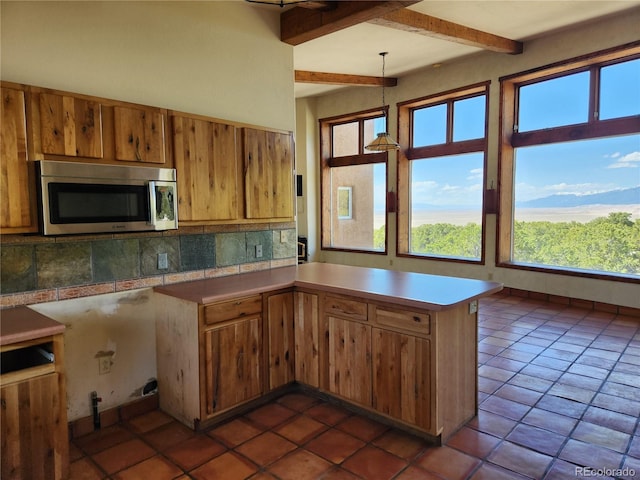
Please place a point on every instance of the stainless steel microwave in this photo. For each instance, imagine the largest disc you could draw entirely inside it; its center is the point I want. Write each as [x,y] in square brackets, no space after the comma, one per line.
[76,198]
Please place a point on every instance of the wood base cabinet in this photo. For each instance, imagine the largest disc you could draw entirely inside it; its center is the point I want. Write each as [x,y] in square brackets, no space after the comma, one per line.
[210,358]
[279,339]
[35,442]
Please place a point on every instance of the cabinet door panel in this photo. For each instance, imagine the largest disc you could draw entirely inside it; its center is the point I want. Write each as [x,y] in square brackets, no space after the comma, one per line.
[307,339]
[232,364]
[206,166]
[139,135]
[350,360]
[16,185]
[268,167]
[280,339]
[402,377]
[70,126]
[33,444]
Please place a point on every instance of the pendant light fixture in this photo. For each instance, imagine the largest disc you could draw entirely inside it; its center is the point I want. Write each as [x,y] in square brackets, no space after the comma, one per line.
[280,3]
[383,141]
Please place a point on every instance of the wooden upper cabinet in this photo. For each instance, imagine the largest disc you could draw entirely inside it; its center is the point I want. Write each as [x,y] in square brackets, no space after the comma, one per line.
[69,126]
[139,134]
[17,196]
[268,169]
[204,155]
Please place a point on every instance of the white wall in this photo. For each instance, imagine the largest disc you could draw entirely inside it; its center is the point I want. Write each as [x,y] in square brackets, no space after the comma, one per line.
[219,58]
[119,327]
[485,66]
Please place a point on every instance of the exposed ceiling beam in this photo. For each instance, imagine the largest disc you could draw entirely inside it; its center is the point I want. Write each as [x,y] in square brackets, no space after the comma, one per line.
[300,25]
[415,22]
[302,76]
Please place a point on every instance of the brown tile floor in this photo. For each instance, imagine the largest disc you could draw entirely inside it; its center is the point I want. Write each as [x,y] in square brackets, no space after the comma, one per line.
[559,390]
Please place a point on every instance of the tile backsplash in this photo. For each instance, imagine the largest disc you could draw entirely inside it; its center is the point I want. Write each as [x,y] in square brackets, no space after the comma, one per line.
[36,269]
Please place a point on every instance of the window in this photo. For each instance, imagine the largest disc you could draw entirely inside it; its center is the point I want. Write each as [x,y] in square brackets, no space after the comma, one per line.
[354,183]
[570,168]
[441,175]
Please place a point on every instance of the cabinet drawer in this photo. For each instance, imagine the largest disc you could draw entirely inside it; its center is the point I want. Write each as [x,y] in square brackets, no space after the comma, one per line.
[414,321]
[346,307]
[237,308]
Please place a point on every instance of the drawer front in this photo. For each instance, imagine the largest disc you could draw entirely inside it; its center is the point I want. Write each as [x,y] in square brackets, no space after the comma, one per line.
[346,307]
[414,321]
[237,308]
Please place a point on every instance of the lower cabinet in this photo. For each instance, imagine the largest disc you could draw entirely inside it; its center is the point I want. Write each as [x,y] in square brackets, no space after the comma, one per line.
[33,413]
[306,337]
[349,356]
[279,339]
[209,357]
[402,377]
[232,364]
[415,367]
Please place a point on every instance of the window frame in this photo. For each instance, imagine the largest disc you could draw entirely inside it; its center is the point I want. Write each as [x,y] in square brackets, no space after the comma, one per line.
[408,153]
[327,161]
[511,139]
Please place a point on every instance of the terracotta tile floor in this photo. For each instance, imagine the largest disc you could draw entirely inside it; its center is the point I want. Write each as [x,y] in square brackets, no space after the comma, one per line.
[559,389]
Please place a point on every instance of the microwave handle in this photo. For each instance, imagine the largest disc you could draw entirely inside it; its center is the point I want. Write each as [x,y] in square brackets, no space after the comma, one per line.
[152,203]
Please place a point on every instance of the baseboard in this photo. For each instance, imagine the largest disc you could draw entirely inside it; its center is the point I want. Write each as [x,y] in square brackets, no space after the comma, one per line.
[572,302]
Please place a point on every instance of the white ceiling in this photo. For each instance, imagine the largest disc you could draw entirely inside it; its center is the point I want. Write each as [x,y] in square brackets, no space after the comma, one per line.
[355,50]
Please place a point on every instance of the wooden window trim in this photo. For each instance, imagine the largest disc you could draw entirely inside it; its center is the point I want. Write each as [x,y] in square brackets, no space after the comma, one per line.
[407,153]
[509,140]
[327,161]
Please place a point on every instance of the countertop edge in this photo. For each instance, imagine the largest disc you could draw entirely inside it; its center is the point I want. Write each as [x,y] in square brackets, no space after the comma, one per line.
[266,281]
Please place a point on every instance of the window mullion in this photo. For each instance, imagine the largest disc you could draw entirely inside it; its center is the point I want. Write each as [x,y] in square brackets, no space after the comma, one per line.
[594,95]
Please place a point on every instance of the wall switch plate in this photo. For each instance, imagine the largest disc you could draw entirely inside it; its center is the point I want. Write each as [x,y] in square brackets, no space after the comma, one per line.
[258,251]
[163,261]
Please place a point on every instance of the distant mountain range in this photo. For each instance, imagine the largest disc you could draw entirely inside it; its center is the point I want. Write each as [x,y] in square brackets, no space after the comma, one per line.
[629,196]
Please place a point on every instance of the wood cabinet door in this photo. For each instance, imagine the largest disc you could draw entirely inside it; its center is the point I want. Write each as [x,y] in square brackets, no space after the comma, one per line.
[402,377]
[139,134]
[307,363]
[204,155]
[268,169]
[70,126]
[232,364]
[17,196]
[34,436]
[281,361]
[349,356]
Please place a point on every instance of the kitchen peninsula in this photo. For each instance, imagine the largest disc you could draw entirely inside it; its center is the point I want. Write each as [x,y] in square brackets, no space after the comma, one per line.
[400,346]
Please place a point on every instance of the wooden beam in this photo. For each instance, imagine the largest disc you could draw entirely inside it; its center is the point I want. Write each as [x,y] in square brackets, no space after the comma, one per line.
[302,76]
[300,25]
[415,22]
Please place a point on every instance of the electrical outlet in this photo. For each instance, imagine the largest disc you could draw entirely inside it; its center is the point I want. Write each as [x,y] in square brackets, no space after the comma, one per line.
[104,365]
[473,306]
[163,261]
[283,236]
[258,251]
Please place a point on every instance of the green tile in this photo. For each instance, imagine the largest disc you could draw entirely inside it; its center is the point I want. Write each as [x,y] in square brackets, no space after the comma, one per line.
[150,248]
[115,259]
[231,249]
[18,269]
[197,252]
[285,243]
[63,264]
[264,238]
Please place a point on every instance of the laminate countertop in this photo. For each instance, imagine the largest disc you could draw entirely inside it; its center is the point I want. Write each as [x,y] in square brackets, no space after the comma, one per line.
[417,290]
[21,324]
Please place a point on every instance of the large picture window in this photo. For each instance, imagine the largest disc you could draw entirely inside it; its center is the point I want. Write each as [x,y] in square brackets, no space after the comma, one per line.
[441,174]
[354,183]
[570,167]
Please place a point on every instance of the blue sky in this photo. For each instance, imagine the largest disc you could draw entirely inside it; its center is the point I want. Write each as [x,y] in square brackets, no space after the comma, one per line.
[573,168]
